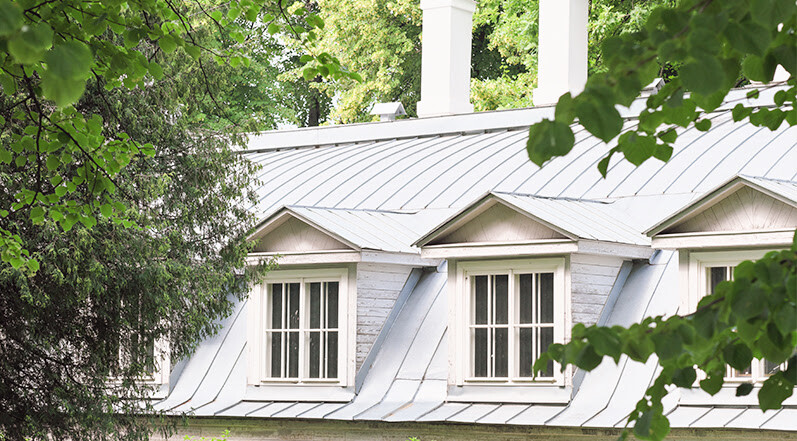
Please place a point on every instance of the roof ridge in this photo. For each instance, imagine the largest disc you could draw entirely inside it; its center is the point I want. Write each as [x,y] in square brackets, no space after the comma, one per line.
[555,198]
[764,178]
[367,210]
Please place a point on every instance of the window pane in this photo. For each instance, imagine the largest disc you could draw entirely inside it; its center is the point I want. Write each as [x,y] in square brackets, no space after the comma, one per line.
[546,297]
[525,351]
[293,306]
[332,305]
[315,347]
[546,339]
[332,354]
[480,301]
[276,354]
[315,305]
[480,353]
[525,300]
[717,274]
[501,352]
[770,367]
[293,354]
[276,305]
[501,294]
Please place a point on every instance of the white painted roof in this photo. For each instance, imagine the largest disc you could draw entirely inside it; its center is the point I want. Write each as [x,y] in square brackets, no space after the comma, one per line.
[407,176]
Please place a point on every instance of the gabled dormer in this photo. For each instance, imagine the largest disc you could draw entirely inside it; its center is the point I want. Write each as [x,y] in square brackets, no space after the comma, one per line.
[317,316]
[522,270]
[743,212]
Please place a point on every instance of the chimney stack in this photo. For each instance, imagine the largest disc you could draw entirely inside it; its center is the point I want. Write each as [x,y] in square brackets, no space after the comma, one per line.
[562,49]
[445,57]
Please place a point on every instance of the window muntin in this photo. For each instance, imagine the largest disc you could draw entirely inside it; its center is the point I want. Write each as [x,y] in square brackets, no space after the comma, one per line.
[514,311]
[301,330]
[759,369]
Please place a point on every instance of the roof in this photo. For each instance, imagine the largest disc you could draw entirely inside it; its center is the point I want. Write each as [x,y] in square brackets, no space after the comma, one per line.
[392,231]
[781,189]
[406,177]
[408,382]
[574,218]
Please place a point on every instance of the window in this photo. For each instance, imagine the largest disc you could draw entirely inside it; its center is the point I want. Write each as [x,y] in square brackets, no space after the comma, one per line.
[706,271]
[298,331]
[302,330]
[759,369]
[514,312]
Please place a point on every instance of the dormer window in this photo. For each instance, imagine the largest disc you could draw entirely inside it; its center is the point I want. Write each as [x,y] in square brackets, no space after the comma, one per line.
[522,270]
[301,338]
[516,312]
[709,269]
[742,219]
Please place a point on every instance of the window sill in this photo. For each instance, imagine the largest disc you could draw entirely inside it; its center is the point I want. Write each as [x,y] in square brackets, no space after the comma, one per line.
[299,392]
[538,393]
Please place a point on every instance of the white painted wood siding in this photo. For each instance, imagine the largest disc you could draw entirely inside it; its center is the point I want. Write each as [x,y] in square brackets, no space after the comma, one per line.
[378,286]
[592,279]
[499,223]
[293,235]
[743,210]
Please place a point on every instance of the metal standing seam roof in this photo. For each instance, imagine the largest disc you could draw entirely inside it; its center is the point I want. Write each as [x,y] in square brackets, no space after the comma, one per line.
[407,176]
[577,219]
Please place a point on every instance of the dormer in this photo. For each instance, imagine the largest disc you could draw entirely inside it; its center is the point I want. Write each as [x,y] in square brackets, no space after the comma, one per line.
[744,212]
[522,270]
[316,317]
[742,219]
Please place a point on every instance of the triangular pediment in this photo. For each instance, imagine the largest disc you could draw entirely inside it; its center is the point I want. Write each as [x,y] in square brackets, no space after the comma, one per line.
[739,206]
[289,234]
[495,222]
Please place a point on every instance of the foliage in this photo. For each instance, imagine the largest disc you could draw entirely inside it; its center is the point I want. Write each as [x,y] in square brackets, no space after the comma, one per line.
[65,168]
[715,45]
[222,438]
[123,199]
[382,41]
[752,317]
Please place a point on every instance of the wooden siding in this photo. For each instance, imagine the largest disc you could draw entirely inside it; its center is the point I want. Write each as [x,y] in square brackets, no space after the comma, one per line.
[591,281]
[743,210]
[293,235]
[378,286]
[499,223]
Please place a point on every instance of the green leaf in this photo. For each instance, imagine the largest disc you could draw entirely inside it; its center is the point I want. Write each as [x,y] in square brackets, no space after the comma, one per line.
[741,112]
[29,45]
[738,356]
[53,162]
[744,389]
[565,109]
[548,139]
[68,67]
[668,344]
[703,125]
[748,38]
[704,76]
[10,17]
[776,389]
[605,341]
[33,265]
[712,384]
[273,28]
[156,70]
[684,377]
[309,73]
[759,68]
[167,43]
[636,148]
[652,425]
[599,117]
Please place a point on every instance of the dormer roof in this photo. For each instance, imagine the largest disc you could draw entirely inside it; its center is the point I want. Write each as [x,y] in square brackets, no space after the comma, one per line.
[500,218]
[740,207]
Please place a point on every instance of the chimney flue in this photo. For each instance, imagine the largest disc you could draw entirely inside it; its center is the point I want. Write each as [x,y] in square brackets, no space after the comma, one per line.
[445,57]
[562,49]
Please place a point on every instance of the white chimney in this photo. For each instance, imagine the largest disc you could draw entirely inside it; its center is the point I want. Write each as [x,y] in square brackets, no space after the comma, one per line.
[562,49]
[445,57]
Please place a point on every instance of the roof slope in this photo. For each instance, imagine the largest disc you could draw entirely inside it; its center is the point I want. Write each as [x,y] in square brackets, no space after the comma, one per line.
[408,382]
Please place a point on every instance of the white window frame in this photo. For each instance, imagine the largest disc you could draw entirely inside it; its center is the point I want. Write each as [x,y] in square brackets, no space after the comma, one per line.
[257,319]
[463,297]
[698,277]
